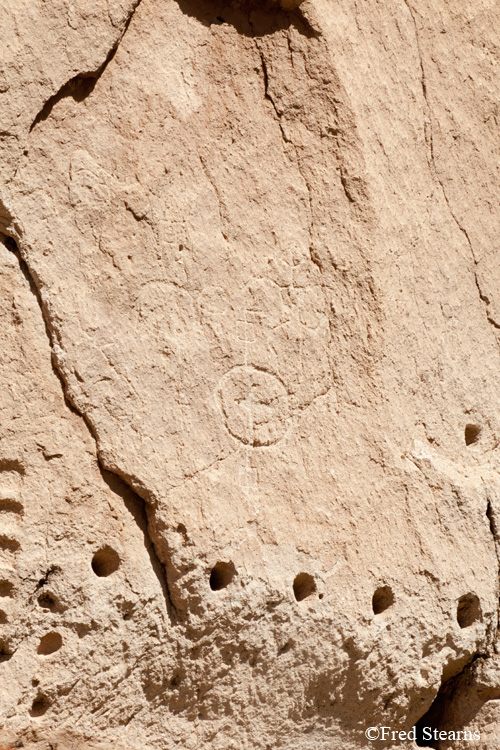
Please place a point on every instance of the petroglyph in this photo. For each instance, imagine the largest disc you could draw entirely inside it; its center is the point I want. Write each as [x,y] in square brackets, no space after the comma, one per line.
[249,305]
[255,406]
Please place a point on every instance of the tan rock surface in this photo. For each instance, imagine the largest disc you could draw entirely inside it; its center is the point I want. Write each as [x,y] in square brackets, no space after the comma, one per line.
[262,248]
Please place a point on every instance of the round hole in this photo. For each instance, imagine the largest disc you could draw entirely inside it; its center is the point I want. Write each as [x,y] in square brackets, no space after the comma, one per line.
[50,643]
[468,610]
[40,705]
[9,544]
[383,598]
[48,601]
[303,586]
[221,575]
[6,588]
[472,433]
[105,562]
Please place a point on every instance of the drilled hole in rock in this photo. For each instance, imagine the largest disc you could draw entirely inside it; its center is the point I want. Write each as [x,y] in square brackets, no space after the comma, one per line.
[9,505]
[468,610]
[8,544]
[50,643]
[303,586]
[221,575]
[105,562]
[12,465]
[6,588]
[40,705]
[383,598]
[472,433]
[48,601]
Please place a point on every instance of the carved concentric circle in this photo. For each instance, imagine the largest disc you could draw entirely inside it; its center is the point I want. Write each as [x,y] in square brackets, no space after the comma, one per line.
[254,405]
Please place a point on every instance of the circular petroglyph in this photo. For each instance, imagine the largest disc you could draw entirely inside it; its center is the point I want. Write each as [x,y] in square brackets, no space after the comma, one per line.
[255,405]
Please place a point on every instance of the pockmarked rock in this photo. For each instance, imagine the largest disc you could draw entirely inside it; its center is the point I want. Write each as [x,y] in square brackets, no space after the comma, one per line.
[249,487]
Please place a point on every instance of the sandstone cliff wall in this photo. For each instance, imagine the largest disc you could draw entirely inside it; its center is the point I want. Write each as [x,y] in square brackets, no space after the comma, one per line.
[249,445]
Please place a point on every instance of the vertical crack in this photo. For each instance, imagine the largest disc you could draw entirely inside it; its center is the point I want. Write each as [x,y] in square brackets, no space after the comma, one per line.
[435,718]
[431,160]
[117,482]
[490,515]
[423,82]
[288,141]
[220,204]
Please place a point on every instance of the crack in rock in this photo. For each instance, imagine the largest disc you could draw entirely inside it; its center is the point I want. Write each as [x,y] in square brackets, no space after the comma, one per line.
[158,566]
[81,86]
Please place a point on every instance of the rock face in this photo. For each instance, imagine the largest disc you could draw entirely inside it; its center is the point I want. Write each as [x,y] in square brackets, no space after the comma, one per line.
[249,446]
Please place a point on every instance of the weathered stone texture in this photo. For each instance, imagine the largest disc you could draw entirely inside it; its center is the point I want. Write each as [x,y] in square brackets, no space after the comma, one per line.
[250,313]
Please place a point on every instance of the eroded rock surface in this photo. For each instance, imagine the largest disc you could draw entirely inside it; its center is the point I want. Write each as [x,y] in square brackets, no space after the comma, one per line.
[250,286]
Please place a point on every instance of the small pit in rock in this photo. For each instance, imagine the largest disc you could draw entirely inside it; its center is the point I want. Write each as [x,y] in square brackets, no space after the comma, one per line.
[472,434]
[221,575]
[468,610]
[6,652]
[50,643]
[286,648]
[382,599]
[303,586]
[8,505]
[48,601]
[40,705]
[8,544]
[105,562]
[6,588]
[176,680]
